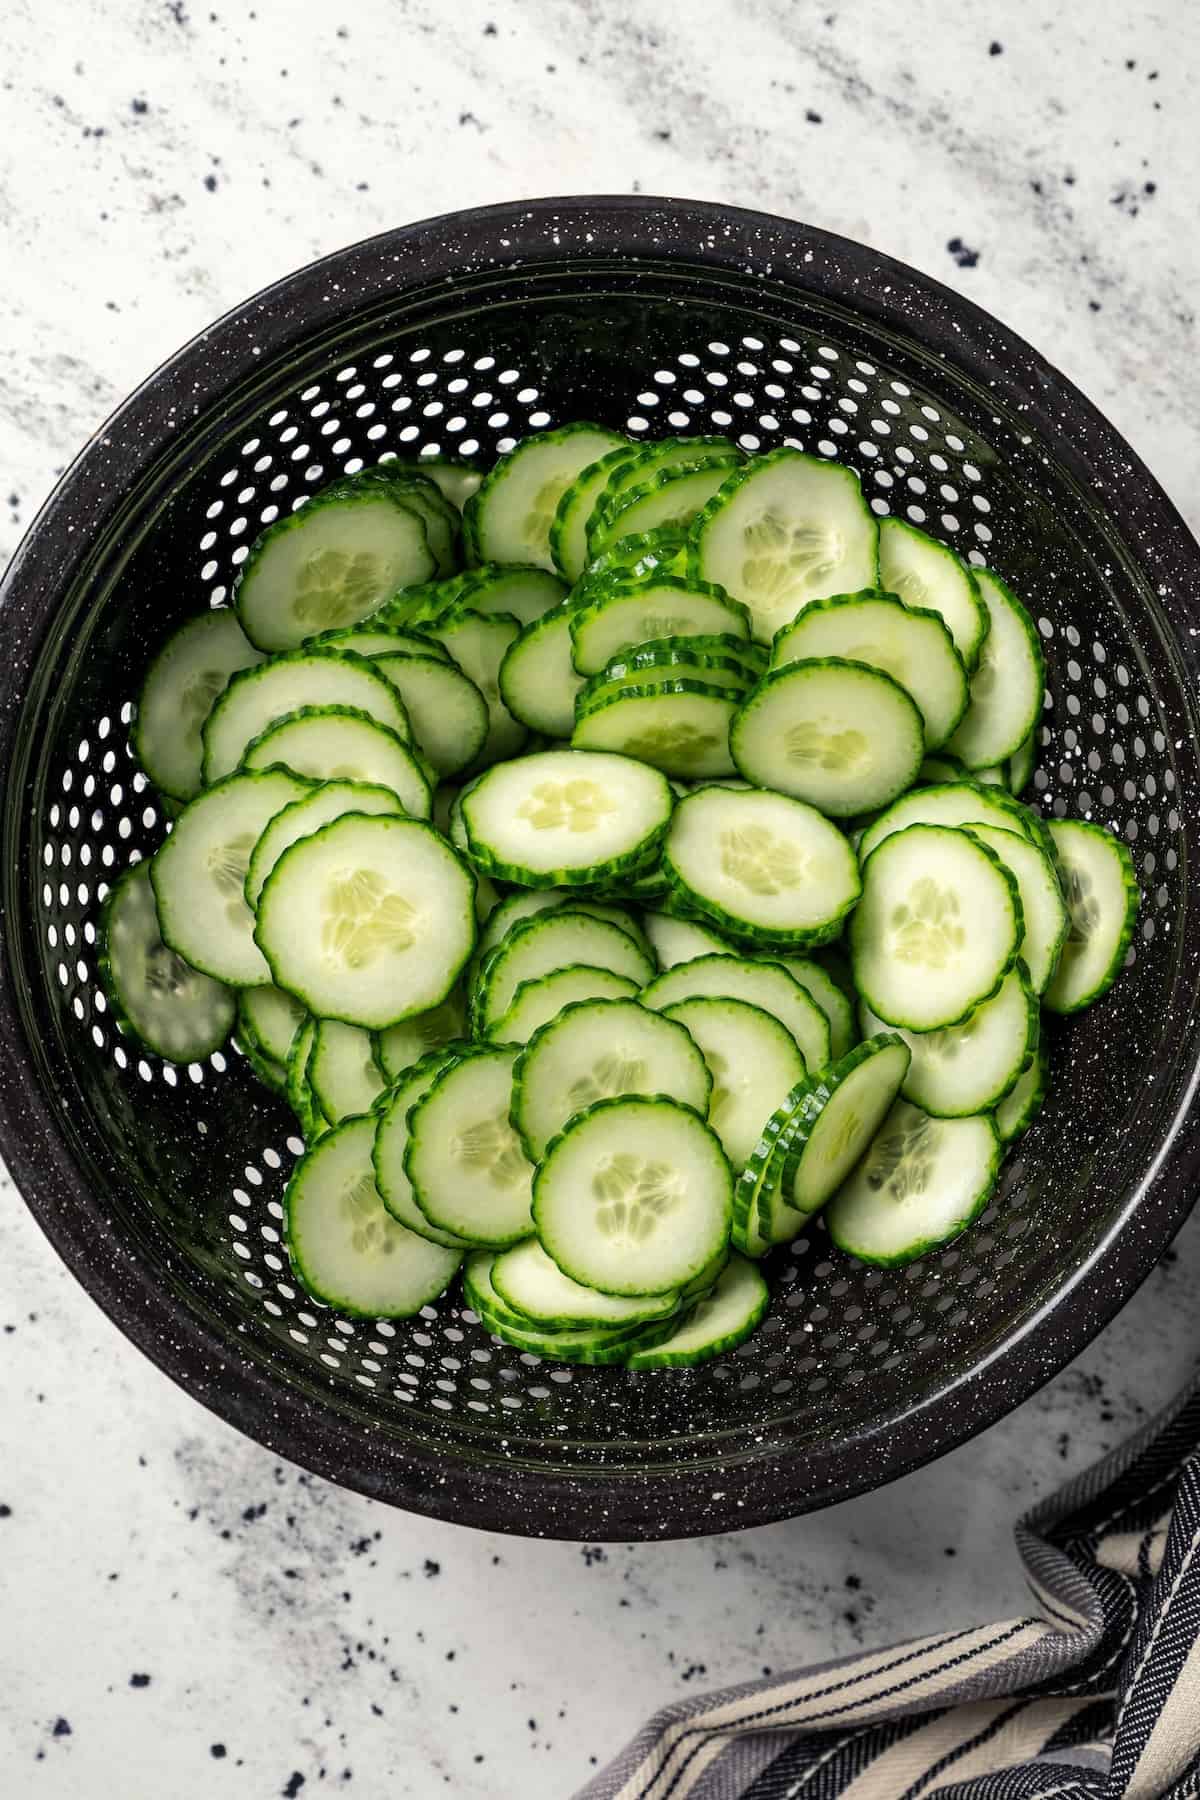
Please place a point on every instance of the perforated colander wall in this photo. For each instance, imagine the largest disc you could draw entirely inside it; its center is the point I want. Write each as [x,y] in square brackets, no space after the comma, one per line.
[197,1158]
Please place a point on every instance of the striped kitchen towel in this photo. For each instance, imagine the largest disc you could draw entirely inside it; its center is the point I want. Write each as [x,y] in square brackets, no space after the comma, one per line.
[1093,1695]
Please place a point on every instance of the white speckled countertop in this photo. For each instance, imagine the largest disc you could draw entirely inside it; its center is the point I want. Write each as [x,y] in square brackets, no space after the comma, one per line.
[182,1615]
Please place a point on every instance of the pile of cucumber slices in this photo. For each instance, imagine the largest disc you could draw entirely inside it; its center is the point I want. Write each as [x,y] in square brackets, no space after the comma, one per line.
[616,860]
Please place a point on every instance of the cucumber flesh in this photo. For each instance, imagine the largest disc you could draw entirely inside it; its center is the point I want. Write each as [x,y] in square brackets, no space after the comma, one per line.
[391,1144]
[735,1308]
[537,678]
[185,678]
[928,576]
[833,1001]
[1008,685]
[765,984]
[530,1283]
[447,714]
[538,1002]
[343,743]
[673,497]
[468,1171]
[835,1119]
[479,642]
[509,518]
[561,818]
[318,807]
[1044,913]
[655,607]
[951,803]
[1102,898]
[1021,1105]
[268,1020]
[568,532]
[680,940]
[256,698]
[402,1045]
[754,1062]
[969,1068]
[345,1077]
[920,1184]
[179,1013]
[681,727]
[596,1344]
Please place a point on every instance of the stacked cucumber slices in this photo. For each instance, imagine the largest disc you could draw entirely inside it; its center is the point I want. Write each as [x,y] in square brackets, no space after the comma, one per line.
[613,875]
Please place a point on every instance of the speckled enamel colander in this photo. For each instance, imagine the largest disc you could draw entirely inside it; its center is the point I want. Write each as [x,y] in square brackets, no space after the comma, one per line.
[161,1187]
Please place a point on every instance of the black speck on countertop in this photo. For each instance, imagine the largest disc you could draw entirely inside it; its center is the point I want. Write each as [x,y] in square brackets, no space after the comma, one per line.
[295,1782]
[964,256]
[5,1510]
[995,48]
[218,1751]
[431,1567]
[62,1727]
[139,1681]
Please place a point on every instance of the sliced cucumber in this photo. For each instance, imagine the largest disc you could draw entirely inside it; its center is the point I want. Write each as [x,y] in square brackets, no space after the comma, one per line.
[764,984]
[317,807]
[344,744]
[952,803]
[761,866]
[1021,764]
[634,1197]
[440,516]
[508,518]
[650,465]
[415,609]
[179,1013]
[1043,909]
[563,818]
[759,1217]
[929,577]
[598,1344]
[914,648]
[343,1072]
[921,1183]
[199,874]
[256,698]
[372,641]
[300,1097]
[345,1247]
[937,929]
[478,642]
[680,727]
[330,563]
[391,1144]
[840,735]
[1102,898]
[735,1308]
[369,920]
[537,678]
[969,1068]
[456,481]
[468,1172]
[596,1049]
[721,662]
[835,1119]
[661,552]
[754,1061]
[268,1020]
[403,1045]
[833,1001]
[191,669]
[785,530]
[448,715]
[538,1002]
[938,769]
[680,940]
[568,533]
[272,1074]
[1021,1105]
[657,606]
[525,594]
[1008,685]
[515,907]
[672,496]
[533,1286]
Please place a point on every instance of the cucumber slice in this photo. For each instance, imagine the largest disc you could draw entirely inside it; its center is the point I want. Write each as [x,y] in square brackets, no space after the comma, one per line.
[191,669]
[721,661]
[937,929]
[371,641]
[954,803]
[1021,1105]
[759,1218]
[596,1049]
[516,907]
[969,1068]
[762,866]
[842,736]
[1043,909]
[649,464]
[440,516]
[537,678]
[179,1013]
[525,594]
[564,818]
[391,1144]
[256,698]
[833,1001]
[673,497]
[403,1045]
[735,1308]
[590,1344]
[1102,898]
[568,533]
[344,744]
[914,648]
[268,1020]
[508,519]
[658,606]
[921,1183]
[300,1097]
[679,727]
[415,609]
[1008,685]
[199,874]
[343,1073]
[679,940]
[938,769]
[701,1285]
[345,1247]
[330,563]
[660,552]
[993,776]
[468,1172]
[835,1118]
[448,715]
[634,1197]
[456,481]
[533,1286]
[272,1074]
[764,984]
[754,1061]
[785,530]
[320,806]
[369,920]
[1021,764]
[929,577]
[538,1002]
[479,642]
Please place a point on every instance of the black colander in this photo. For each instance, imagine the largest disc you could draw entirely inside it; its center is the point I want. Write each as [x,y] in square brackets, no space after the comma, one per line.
[161,1187]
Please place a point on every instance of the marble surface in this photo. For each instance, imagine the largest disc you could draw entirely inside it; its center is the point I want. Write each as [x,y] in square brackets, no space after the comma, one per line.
[174,1602]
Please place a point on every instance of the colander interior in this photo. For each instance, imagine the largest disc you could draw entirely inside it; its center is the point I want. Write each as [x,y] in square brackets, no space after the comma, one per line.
[188,1165]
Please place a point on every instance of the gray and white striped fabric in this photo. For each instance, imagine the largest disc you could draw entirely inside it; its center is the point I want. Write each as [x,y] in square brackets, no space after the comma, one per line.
[1095,1695]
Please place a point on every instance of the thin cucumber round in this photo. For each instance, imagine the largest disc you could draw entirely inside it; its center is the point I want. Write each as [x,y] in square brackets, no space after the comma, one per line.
[403,1045]
[468,1171]
[680,727]
[192,668]
[660,552]
[537,678]
[595,1344]
[718,658]
[596,1049]
[840,735]
[1020,766]
[929,577]
[733,1310]
[199,874]
[479,642]
[455,481]
[754,1062]
[1008,685]
[969,1068]
[762,866]
[369,920]
[447,714]
[523,905]
[330,563]
[179,1013]
[318,807]
[672,496]
[524,593]
[508,518]
[422,496]
[538,1002]
[1102,898]
[532,1285]
[343,1070]
[344,744]
[634,1197]
[561,818]
[256,698]
[268,1020]
[937,929]
[1021,1105]
[1043,909]
[920,1184]
[568,532]
[950,803]
[764,984]
[833,1001]
[939,768]
[416,609]
[300,1097]
[391,1143]
[914,648]
[835,1118]
[784,530]
[759,1217]
[680,940]
[272,1074]
[345,1247]
[371,641]
[649,465]
[624,612]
